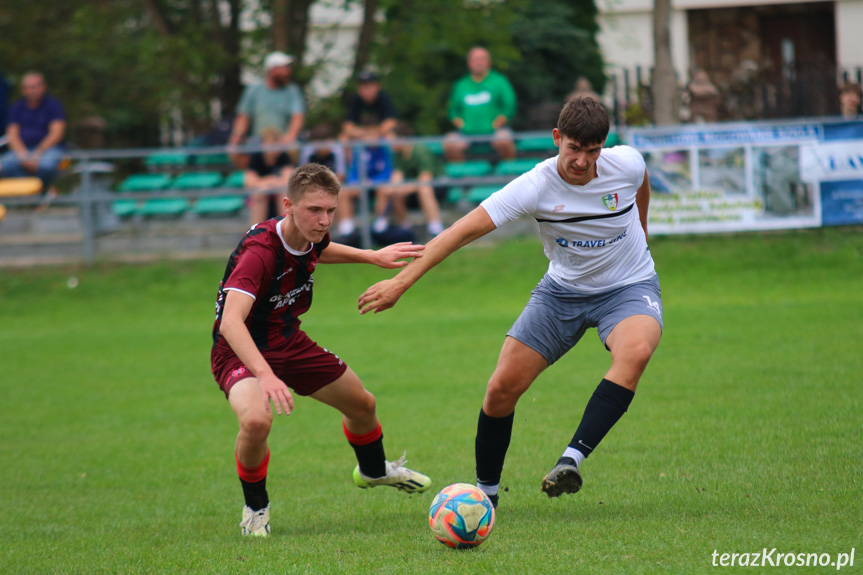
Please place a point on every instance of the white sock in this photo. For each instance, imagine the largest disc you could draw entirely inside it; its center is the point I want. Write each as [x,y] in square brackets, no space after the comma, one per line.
[488,489]
[380,224]
[435,228]
[574,454]
[346,227]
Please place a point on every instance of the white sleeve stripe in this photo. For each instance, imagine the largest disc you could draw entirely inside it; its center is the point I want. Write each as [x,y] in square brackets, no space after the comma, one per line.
[251,295]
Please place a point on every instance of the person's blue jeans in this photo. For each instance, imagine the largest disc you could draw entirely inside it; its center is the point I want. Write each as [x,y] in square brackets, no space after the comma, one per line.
[49,164]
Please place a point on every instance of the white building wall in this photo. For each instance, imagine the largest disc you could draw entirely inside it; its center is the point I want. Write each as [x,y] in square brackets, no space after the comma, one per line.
[334,31]
[849,39]
[626,36]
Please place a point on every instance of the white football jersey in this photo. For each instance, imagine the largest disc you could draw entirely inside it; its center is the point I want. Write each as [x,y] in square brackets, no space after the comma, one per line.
[591,234]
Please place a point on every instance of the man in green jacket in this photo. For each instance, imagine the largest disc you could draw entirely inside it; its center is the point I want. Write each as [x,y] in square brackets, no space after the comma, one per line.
[481,103]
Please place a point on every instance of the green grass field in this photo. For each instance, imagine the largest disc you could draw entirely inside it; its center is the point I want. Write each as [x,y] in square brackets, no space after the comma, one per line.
[116,445]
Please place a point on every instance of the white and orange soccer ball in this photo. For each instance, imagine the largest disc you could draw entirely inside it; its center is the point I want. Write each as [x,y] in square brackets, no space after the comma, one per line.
[461,516]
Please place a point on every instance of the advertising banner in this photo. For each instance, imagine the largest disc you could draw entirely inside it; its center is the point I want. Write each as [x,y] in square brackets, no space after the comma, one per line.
[760,176]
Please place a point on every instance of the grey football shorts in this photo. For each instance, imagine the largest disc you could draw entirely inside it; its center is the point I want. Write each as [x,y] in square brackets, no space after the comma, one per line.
[555,318]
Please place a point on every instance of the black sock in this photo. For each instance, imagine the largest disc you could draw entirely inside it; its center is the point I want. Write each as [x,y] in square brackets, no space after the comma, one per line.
[607,405]
[492,440]
[371,457]
[255,494]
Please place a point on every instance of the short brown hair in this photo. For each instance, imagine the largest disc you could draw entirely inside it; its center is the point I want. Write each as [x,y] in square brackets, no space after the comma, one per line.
[583,120]
[852,87]
[312,177]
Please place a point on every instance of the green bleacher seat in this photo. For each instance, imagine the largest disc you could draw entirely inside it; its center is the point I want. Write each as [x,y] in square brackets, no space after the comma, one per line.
[514,167]
[223,205]
[473,194]
[234,180]
[469,169]
[145,183]
[164,207]
[477,194]
[536,144]
[612,140]
[163,160]
[197,180]
[124,208]
[211,160]
[435,148]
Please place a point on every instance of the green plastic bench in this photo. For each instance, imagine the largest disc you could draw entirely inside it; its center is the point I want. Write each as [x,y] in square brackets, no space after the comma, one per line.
[216,160]
[164,207]
[234,180]
[161,160]
[469,169]
[536,144]
[515,167]
[198,180]
[223,205]
[477,194]
[145,183]
[124,208]
[473,194]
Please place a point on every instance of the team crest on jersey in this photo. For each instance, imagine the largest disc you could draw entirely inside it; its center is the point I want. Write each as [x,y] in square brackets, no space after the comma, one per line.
[610,201]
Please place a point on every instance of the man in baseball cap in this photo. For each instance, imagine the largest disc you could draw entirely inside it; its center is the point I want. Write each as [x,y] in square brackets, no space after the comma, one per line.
[276,103]
[277,60]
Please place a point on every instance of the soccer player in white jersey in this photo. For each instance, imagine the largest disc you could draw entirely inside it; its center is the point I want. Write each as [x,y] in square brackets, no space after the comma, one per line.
[591,205]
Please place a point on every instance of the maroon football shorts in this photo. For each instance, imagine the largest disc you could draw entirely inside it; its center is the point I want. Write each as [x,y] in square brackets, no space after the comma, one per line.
[302,364]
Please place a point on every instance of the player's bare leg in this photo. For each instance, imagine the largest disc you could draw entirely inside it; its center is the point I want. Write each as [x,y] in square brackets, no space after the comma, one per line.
[363,431]
[517,368]
[504,148]
[632,343]
[252,454]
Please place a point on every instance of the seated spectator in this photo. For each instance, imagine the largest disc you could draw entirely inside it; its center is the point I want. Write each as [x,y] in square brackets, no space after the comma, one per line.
[36,130]
[849,101]
[410,162]
[583,89]
[277,103]
[268,171]
[323,150]
[704,99]
[371,119]
[481,103]
[371,113]
[377,163]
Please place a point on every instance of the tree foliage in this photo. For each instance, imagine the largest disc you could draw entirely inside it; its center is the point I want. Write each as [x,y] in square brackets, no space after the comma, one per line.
[139,64]
[542,46]
[133,64]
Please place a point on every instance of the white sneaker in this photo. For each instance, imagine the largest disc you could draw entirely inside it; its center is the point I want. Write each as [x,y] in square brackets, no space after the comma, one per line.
[256,523]
[397,476]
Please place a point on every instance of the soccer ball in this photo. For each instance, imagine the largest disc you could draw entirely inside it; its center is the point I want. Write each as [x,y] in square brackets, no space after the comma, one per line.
[461,516]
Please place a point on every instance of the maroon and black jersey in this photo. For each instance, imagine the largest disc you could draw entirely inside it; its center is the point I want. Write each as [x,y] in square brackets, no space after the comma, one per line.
[277,277]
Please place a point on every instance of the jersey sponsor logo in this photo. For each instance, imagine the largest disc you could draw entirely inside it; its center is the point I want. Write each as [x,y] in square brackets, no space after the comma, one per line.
[478,99]
[610,201]
[281,300]
[653,305]
[563,242]
[558,208]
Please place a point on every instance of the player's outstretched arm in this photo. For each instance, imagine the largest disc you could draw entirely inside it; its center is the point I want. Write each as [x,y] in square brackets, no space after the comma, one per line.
[642,200]
[384,295]
[238,305]
[390,257]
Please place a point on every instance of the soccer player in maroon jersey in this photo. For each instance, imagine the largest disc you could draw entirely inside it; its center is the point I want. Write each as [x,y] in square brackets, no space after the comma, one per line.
[259,348]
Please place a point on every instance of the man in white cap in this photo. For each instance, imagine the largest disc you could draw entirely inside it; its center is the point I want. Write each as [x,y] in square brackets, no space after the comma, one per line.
[277,103]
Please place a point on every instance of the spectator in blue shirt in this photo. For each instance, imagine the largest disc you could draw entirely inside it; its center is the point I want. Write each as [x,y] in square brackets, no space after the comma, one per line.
[36,130]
